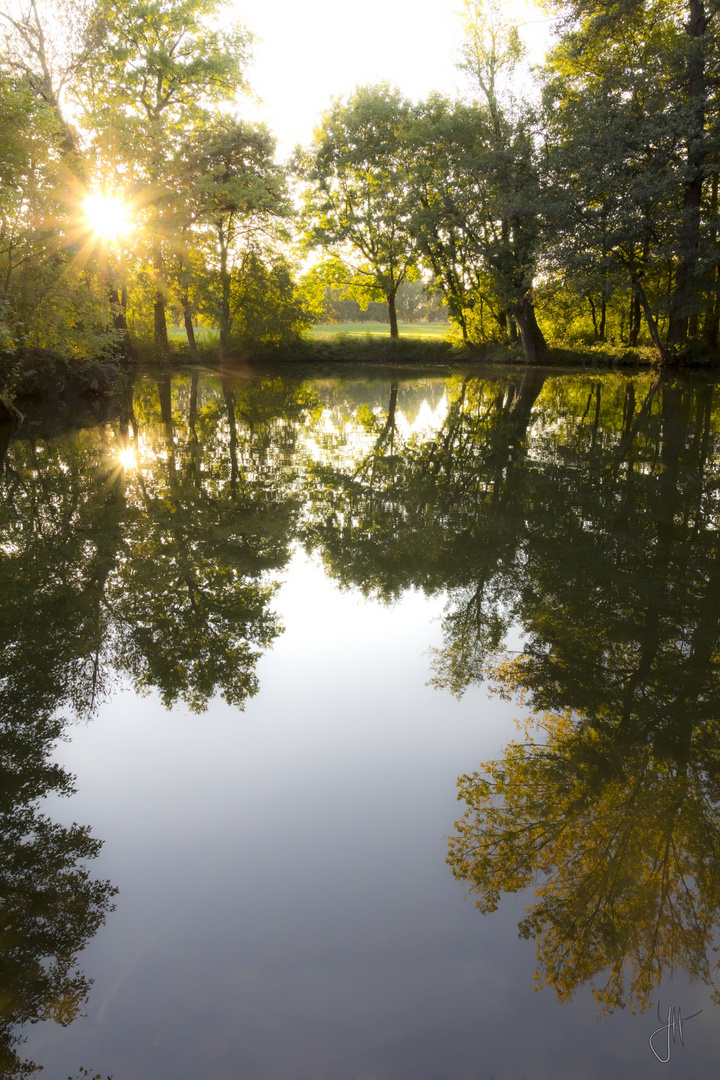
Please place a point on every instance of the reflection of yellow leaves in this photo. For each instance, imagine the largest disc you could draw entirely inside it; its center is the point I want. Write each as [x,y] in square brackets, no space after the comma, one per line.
[619,846]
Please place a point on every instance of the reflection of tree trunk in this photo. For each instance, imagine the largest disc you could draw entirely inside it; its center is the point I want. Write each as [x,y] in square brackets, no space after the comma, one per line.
[393,316]
[530,387]
[629,437]
[628,409]
[164,386]
[596,421]
[6,431]
[234,470]
[127,412]
[659,599]
[705,396]
[194,399]
[389,430]
[192,421]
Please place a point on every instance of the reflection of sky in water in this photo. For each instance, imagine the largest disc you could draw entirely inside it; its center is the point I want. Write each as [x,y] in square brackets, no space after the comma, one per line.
[284,907]
[285,910]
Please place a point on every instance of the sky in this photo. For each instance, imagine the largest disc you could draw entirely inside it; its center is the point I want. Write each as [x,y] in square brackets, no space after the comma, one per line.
[308,51]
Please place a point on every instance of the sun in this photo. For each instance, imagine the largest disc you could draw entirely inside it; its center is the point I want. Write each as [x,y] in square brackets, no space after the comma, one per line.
[127,458]
[108,216]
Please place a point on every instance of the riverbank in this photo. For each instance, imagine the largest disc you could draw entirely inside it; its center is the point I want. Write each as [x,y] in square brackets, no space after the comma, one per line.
[38,374]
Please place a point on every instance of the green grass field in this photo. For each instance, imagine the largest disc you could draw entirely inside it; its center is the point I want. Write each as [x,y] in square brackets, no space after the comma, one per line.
[202,333]
[359,329]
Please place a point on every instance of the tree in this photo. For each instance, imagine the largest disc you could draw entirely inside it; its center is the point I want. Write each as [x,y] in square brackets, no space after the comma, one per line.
[164,64]
[48,46]
[356,198]
[491,52]
[632,123]
[237,194]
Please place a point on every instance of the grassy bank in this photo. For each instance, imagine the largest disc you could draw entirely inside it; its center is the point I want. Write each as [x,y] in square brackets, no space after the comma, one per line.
[437,331]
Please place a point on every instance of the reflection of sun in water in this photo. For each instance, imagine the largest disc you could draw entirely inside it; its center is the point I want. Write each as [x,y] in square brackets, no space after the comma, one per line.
[127,459]
[107,216]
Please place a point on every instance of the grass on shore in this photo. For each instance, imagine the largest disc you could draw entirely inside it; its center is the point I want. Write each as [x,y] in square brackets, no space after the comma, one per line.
[437,331]
[205,335]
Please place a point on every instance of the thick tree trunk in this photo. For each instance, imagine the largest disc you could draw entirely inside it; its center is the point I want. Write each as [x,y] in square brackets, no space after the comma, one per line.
[683,300]
[393,316]
[533,342]
[712,318]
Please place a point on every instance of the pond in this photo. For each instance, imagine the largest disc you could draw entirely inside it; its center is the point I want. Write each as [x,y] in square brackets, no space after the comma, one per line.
[262,632]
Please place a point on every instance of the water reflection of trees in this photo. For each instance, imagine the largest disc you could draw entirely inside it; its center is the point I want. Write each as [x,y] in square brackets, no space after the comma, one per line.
[50,906]
[585,512]
[582,510]
[160,573]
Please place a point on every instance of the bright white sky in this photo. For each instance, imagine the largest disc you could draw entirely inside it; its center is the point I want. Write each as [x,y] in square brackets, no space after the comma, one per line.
[311,50]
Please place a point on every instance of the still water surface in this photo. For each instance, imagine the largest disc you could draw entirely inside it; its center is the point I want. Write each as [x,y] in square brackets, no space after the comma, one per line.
[266,623]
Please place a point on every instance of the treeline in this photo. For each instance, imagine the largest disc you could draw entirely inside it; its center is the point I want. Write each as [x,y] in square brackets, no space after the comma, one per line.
[133,194]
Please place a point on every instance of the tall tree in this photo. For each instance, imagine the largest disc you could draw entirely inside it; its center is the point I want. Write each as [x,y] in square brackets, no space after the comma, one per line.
[164,64]
[356,199]
[236,194]
[49,45]
[490,54]
[633,103]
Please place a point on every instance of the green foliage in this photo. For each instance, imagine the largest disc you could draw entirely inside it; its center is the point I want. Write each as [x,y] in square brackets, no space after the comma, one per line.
[268,308]
[356,199]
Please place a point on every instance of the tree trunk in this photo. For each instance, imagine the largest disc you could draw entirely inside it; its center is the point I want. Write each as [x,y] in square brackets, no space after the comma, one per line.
[594,317]
[603,318]
[533,342]
[665,356]
[635,318]
[393,316]
[225,295]
[712,319]
[683,300]
[189,328]
[160,327]
[118,307]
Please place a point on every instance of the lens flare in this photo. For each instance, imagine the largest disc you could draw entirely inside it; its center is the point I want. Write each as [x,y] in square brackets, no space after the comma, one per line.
[127,459]
[107,216]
